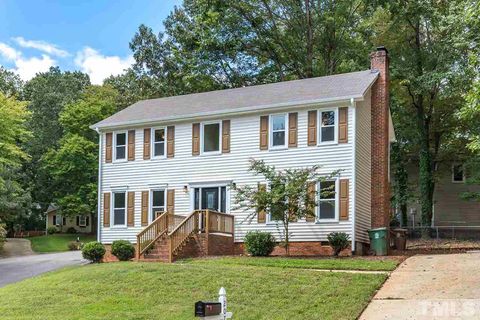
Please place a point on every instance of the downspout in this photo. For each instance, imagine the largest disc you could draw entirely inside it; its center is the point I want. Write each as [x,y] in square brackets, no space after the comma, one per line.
[354,125]
[99,184]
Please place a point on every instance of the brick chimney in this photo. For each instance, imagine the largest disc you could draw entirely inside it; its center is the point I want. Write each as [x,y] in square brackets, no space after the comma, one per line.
[380,188]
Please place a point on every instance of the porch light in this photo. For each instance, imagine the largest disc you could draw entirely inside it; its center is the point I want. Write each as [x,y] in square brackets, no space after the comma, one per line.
[185,188]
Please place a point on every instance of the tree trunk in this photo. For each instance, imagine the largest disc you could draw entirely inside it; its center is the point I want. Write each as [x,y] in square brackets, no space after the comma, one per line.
[309,57]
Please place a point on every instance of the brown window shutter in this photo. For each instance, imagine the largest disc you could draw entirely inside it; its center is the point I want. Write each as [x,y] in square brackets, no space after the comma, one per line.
[343,125]
[261,214]
[225,136]
[312,128]
[108,147]
[292,129]
[311,195]
[170,141]
[171,201]
[195,139]
[106,209]
[131,145]
[145,208]
[146,143]
[131,209]
[264,132]
[344,199]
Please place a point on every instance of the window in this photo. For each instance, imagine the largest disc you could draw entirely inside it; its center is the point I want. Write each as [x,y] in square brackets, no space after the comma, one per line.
[57,220]
[158,144]
[119,206]
[458,173]
[278,125]
[276,213]
[158,203]
[120,145]
[328,120]
[82,221]
[327,200]
[211,137]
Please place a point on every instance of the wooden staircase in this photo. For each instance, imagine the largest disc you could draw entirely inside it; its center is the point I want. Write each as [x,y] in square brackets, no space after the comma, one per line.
[170,237]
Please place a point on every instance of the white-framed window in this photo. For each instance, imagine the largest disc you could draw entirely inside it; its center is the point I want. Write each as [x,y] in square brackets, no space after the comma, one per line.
[119,214]
[458,173]
[327,209]
[120,146]
[271,218]
[210,137]
[328,128]
[159,144]
[82,221]
[158,202]
[57,220]
[278,130]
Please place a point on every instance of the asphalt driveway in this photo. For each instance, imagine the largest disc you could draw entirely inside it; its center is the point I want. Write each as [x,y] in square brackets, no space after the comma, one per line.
[17,268]
[430,287]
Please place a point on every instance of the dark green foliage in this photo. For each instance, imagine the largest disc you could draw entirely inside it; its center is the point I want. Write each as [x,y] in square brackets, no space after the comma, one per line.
[71,230]
[123,250]
[338,241]
[93,251]
[259,243]
[52,230]
[74,245]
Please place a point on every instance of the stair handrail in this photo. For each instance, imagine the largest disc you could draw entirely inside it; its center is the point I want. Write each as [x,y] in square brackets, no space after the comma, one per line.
[147,237]
[182,232]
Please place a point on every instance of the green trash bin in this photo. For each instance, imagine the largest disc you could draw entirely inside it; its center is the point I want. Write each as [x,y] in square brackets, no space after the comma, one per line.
[379,241]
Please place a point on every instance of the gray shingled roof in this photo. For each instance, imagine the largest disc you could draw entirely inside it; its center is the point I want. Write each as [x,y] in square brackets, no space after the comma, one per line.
[296,92]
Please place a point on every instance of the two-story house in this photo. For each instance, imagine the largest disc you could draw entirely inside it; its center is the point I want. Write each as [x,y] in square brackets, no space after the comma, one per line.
[182,154]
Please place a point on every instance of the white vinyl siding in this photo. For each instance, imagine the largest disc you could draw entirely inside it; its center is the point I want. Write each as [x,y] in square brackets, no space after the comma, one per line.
[363,170]
[185,169]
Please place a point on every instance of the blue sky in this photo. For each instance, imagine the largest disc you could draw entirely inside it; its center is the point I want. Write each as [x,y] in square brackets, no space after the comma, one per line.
[87,35]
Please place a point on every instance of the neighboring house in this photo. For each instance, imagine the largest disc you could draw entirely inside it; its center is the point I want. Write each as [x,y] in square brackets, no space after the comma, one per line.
[449,208]
[81,223]
[181,154]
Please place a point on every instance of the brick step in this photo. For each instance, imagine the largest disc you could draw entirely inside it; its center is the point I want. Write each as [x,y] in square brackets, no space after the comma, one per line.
[156,257]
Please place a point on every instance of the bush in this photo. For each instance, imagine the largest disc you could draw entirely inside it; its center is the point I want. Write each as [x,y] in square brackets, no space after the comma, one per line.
[74,245]
[123,250]
[93,251]
[3,235]
[52,230]
[259,243]
[71,230]
[338,241]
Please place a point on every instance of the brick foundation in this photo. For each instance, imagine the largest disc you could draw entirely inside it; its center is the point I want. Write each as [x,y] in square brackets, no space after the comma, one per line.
[109,257]
[304,249]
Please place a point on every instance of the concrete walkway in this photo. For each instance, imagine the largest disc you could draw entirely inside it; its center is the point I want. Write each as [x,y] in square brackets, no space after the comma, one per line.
[18,268]
[430,287]
[16,247]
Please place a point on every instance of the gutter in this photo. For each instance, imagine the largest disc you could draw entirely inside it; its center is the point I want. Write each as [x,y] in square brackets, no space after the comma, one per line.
[354,172]
[239,111]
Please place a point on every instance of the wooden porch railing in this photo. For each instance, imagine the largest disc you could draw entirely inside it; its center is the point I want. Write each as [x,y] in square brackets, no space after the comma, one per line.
[204,221]
[147,237]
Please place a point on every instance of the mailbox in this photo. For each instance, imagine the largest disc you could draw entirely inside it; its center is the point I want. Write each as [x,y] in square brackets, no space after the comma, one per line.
[206,309]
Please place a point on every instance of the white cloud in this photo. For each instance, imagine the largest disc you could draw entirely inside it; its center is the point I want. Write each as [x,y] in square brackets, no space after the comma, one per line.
[42,46]
[98,66]
[26,68]
[8,52]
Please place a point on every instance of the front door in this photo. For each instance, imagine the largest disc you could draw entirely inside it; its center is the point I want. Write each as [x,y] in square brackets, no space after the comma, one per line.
[210,198]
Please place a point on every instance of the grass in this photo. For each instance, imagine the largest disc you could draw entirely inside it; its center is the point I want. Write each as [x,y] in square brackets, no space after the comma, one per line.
[57,242]
[386,264]
[128,290]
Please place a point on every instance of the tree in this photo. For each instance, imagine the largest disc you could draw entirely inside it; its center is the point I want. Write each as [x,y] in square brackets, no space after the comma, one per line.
[287,198]
[13,198]
[429,76]
[47,93]
[73,165]
[10,83]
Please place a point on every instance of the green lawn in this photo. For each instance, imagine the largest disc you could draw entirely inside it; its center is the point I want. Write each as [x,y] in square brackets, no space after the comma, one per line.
[57,242]
[356,263]
[129,290]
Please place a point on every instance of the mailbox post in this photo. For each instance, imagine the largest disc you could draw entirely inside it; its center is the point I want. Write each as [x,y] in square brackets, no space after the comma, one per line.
[214,310]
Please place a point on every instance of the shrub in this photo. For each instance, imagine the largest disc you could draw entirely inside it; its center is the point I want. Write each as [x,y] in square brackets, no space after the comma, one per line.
[259,243]
[93,251]
[338,241]
[71,230]
[123,250]
[3,235]
[74,245]
[52,230]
